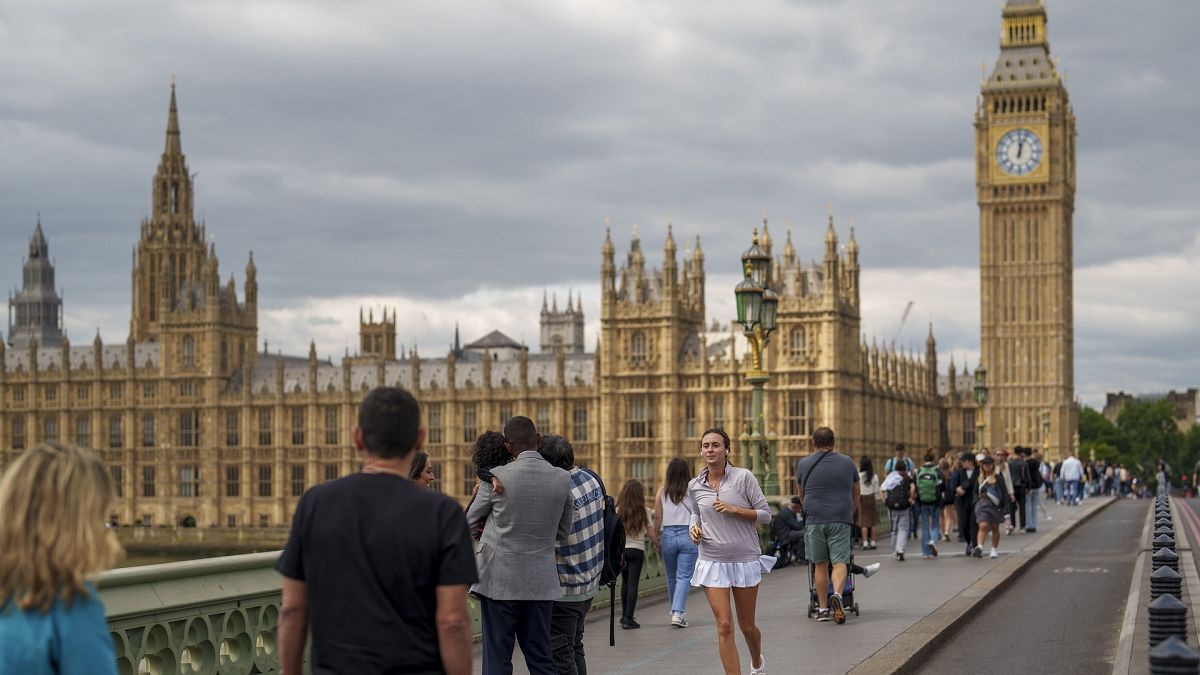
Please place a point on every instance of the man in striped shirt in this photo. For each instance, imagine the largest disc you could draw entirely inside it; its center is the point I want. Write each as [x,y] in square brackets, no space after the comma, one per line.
[579,556]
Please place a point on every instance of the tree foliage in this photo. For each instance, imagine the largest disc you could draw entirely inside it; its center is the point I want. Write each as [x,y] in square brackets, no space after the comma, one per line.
[1145,432]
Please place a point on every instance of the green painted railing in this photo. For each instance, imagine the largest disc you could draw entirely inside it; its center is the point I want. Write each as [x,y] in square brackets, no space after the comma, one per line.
[218,615]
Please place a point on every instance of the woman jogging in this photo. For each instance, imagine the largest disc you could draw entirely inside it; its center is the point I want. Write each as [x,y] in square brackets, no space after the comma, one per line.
[672,516]
[729,506]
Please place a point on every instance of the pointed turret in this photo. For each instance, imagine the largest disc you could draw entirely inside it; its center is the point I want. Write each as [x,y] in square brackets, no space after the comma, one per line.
[608,270]
[832,265]
[830,240]
[637,259]
[174,146]
[251,282]
[38,248]
[789,251]
[670,269]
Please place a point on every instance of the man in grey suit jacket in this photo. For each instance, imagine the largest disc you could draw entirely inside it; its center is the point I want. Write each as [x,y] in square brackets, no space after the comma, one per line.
[518,575]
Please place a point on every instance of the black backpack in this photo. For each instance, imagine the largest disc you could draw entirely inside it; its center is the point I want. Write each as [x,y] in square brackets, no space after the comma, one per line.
[614,555]
[896,498]
[1035,474]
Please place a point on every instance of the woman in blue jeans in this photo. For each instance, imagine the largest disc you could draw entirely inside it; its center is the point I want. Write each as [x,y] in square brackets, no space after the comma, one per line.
[672,515]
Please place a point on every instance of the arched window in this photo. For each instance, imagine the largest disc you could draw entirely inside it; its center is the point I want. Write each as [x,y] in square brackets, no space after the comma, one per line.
[189,351]
[637,346]
[797,342]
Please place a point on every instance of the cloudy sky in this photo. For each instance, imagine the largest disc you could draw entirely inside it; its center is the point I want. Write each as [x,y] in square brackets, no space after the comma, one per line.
[454,158]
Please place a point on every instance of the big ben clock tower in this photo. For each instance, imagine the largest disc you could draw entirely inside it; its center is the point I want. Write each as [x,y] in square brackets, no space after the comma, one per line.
[1025,177]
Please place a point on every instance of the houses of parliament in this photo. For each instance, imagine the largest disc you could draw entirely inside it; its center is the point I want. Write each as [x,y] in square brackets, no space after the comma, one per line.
[201,427]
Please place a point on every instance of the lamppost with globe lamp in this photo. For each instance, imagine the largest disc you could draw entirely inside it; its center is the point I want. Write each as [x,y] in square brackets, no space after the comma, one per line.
[981,398]
[757,306]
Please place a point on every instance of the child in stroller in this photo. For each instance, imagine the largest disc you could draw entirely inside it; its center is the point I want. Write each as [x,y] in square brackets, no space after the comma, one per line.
[848,600]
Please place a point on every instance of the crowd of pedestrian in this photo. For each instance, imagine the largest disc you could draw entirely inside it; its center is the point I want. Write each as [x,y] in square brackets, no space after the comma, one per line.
[378,566]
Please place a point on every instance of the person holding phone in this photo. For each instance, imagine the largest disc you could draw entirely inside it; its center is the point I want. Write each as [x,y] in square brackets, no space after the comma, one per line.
[729,507]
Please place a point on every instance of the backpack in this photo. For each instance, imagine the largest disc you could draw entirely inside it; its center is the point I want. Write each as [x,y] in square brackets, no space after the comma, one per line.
[614,556]
[1035,475]
[896,498]
[929,481]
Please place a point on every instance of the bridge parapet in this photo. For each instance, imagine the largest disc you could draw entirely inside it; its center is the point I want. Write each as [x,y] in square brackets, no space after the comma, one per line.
[219,615]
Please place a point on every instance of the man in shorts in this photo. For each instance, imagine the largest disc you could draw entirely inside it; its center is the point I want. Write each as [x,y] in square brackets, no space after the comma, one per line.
[827,483]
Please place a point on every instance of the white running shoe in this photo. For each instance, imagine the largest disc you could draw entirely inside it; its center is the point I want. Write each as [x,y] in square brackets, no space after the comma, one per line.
[870,569]
[678,621]
[762,666]
[994,554]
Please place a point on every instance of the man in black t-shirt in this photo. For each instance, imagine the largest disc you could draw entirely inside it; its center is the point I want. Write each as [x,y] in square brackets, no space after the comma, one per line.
[379,564]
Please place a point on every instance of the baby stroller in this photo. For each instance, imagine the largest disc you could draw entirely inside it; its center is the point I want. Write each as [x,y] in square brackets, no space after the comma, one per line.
[848,601]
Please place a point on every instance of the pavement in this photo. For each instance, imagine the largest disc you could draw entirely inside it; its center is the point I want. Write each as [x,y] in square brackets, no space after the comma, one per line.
[900,596]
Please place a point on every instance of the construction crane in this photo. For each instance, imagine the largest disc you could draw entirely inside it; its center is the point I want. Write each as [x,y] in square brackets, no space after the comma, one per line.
[903,318]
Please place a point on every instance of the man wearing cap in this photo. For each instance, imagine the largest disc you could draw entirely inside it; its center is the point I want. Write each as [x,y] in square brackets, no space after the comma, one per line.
[964,484]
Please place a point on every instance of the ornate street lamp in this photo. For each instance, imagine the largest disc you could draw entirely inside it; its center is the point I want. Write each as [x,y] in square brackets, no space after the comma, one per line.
[981,398]
[757,310]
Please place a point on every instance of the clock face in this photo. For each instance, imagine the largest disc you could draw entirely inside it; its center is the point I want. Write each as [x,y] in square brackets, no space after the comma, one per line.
[1019,152]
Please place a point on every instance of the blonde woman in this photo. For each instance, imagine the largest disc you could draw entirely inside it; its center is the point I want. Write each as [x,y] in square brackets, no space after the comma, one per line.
[52,538]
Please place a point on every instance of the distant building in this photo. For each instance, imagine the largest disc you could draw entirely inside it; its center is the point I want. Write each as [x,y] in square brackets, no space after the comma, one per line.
[35,312]
[562,330]
[198,425]
[1186,404]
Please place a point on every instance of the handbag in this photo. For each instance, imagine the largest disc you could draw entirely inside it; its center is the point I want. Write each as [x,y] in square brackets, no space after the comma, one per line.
[990,493]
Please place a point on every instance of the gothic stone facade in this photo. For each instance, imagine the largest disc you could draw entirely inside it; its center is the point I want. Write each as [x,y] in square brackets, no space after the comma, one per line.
[201,428]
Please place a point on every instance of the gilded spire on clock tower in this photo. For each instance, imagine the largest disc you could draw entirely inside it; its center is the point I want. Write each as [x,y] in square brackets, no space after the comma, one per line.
[1025,180]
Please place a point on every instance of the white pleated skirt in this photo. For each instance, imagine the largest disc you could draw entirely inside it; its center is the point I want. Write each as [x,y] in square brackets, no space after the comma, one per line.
[711,574]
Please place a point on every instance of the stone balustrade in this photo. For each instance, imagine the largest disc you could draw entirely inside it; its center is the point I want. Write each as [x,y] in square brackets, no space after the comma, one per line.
[218,615]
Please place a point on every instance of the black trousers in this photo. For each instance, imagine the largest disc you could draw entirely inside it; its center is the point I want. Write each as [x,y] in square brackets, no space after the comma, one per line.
[1018,514]
[566,636]
[966,523]
[508,621]
[631,576]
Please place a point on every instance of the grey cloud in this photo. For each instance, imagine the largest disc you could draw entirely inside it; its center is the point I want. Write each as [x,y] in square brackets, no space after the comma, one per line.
[432,148]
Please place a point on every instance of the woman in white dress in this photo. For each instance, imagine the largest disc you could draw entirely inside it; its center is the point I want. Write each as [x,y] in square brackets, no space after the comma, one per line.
[729,507]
